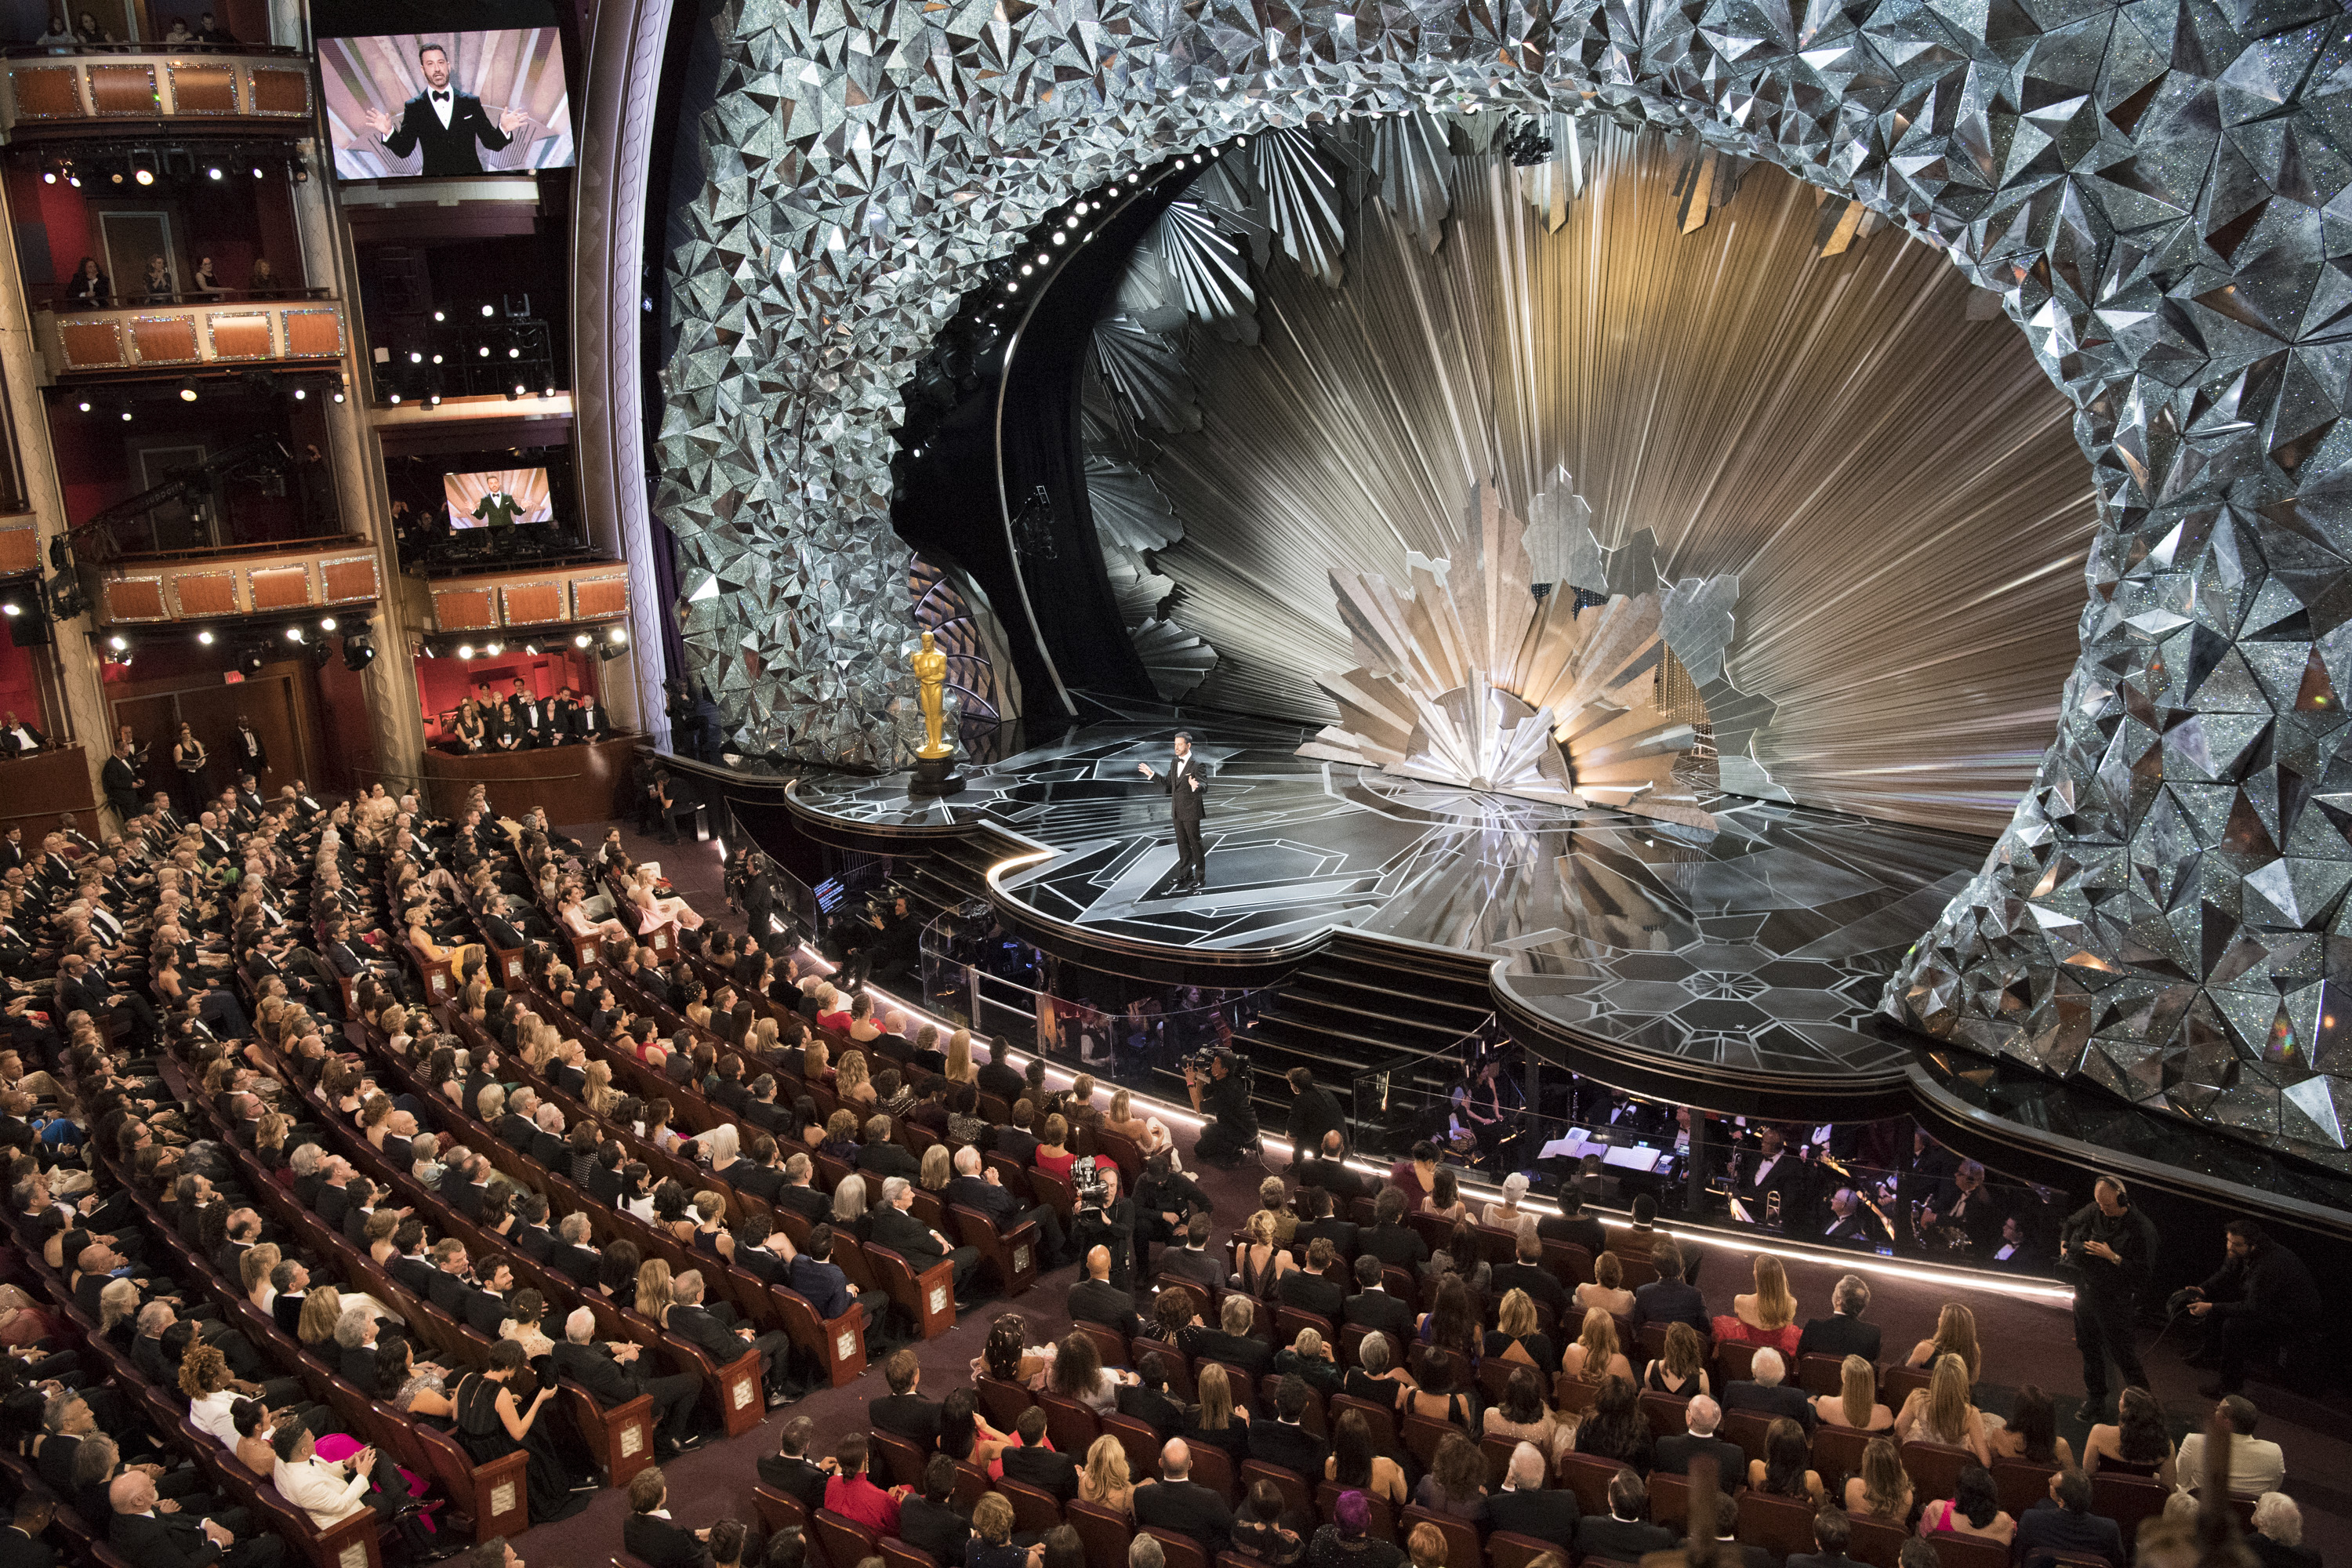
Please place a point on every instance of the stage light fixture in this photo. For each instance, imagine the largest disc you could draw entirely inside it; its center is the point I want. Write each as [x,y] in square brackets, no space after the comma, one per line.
[416,356]
[143,168]
[301,394]
[318,653]
[1012,287]
[549,391]
[205,639]
[126,414]
[607,653]
[298,168]
[514,354]
[582,640]
[394,399]
[1073,222]
[618,634]
[494,649]
[73,179]
[358,652]
[119,643]
[326,623]
[432,400]
[531,649]
[465,650]
[256,171]
[1043,258]
[187,389]
[48,176]
[293,634]
[116,176]
[212,172]
[338,393]
[1026,269]
[1061,238]
[14,608]
[486,311]
[483,351]
[85,404]
[440,315]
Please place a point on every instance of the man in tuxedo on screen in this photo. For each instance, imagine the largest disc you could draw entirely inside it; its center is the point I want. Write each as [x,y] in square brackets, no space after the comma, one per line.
[451,125]
[1185,789]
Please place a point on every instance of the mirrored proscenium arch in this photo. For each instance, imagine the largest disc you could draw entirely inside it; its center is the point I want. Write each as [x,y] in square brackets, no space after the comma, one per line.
[2146,185]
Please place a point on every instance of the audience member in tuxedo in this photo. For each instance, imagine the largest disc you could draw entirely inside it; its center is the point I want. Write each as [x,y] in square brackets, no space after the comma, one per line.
[1095,1300]
[1229,1342]
[790,1471]
[1670,1298]
[1307,1288]
[1391,1239]
[1194,1260]
[896,1227]
[1674,1454]
[1572,1224]
[21,1545]
[928,1516]
[147,1538]
[904,1412]
[1181,1504]
[1524,1507]
[1729,1550]
[1032,1462]
[1373,1307]
[974,1186]
[651,1536]
[1285,1440]
[1146,1399]
[1764,1391]
[1844,1333]
[1623,1536]
[1527,1272]
[2063,1523]
[1833,1534]
[612,1373]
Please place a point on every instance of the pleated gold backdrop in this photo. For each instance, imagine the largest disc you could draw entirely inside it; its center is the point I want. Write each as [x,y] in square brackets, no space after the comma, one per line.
[1896,485]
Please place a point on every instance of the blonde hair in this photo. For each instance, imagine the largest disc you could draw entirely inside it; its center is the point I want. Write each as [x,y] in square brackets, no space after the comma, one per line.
[813,1060]
[1684,1355]
[1857,1389]
[1948,1400]
[1775,1308]
[936,1166]
[653,1289]
[1599,1342]
[1517,1315]
[851,1072]
[322,1308]
[1107,1469]
[1886,1488]
[1956,1334]
[960,1069]
[1309,1344]
[253,1268]
[1216,1399]
[1122,1107]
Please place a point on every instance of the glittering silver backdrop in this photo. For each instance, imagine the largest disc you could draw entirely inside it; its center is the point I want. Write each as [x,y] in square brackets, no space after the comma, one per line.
[2156,189]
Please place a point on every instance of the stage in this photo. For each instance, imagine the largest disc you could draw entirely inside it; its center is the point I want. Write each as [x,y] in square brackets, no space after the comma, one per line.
[1757,951]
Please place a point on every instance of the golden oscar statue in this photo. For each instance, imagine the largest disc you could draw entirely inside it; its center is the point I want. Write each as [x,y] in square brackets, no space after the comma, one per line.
[934,759]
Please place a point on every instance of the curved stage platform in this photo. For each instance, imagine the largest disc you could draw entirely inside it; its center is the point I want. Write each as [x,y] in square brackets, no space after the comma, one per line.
[1750,956]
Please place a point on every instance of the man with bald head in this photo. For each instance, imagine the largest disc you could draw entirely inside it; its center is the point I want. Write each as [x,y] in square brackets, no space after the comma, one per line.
[1181,1504]
[610,1372]
[1095,1300]
[147,1538]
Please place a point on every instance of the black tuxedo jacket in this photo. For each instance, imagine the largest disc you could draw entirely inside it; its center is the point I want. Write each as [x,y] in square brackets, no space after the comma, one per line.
[1674,1456]
[1042,1469]
[161,1540]
[1191,1509]
[935,1527]
[1292,1447]
[1100,1301]
[1312,1293]
[795,1478]
[1542,1285]
[904,1233]
[1546,1515]
[1779,1399]
[804,1201]
[1840,1335]
[697,1327]
[451,151]
[1378,1310]
[1185,802]
[1621,1541]
[593,1368]
[662,1545]
[908,1416]
[588,722]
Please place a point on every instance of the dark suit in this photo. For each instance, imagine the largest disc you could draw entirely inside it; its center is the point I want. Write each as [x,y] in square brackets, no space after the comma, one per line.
[2046,1528]
[595,1369]
[908,1416]
[936,1526]
[1621,1541]
[1191,1509]
[577,1264]
[1043,1469]
[1154,1408]
[794,1478]
[18,1549]
[1184,806]
[662,1545]
[1840,1335]
[449,150]
[1674,1456]
[1542,1285]
[804,1201]
[1546,1515]
[1255,1357]
[1385,1314]
[903,1233]
[1583,1231]
[1779,1400]
[178,1541]
[1670,1301]
[827,1289]
[1398,1244]
[1292,1447]
[1186,1264]
[1100,1301]
[888,1160]
[1312,1293]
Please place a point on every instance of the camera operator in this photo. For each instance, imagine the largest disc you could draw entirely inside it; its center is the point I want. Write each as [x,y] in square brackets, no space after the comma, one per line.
[1225,1101]
[2105,1250]
[2262,1298]
[1164,1200]
[1105,1217]
[882,944]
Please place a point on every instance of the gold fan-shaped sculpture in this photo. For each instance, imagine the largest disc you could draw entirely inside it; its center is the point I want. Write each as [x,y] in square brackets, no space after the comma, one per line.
[1470,679]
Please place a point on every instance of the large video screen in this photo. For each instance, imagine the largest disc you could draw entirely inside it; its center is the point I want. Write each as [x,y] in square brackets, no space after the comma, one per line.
[447,104]
[498,500]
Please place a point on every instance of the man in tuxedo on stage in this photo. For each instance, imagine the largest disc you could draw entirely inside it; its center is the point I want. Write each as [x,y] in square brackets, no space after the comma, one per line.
[448,122]
[1185,790]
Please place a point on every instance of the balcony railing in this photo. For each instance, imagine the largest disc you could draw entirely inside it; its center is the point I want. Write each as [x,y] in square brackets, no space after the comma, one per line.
[181,337]
[50,94]
[542,596]
[308,576]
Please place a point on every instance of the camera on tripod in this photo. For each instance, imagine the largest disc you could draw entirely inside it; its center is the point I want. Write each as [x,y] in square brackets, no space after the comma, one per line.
[1197,1062]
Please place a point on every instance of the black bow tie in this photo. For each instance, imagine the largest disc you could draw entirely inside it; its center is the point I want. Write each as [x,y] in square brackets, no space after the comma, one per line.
[441,98]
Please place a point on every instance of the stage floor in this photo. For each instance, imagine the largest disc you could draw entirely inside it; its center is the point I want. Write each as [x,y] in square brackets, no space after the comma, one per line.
[1763,945]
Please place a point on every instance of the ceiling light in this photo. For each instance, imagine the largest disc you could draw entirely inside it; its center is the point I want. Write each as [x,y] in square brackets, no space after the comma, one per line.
[440,315]
[187,389]
[326,623]
[85,404]
[293,634]
[12,608]
[393,398]
[620,636]
[205,639]
[432,400]
[126,414]
[1061,238]
[465,650]
[144,176]
[214,172]
[486,309]
[48,176]
[416,356]
[118,642]
[1012,285]
[494,649]
[1026,269]
[256,171]
[300,392]
[582,640]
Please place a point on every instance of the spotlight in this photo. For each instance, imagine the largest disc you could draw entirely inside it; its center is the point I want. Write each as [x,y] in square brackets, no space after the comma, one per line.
[619,636]
[1012,285]
[437,359]
[326,623]
[482,353]
[298,168]
[607,653]
[293,634]
[582,640]
[494,649]
[440,315]
[486,309]
[465,650]
[358,652]
[432,400]
[212,172]
[513,395]
[549,391]
[302,393]
[256,171]
[1074,223]
[126,414]
[1026,269]
[205,639]
[119,643]
[73,179]
[48,176]
[250,662]
[116,176]
[85,402]
[514,354]
[339,389]
[14,608]
[531,649]
[187,389]
[319,653]
[143,168]
[393,398]
[1043,258]
[416,356]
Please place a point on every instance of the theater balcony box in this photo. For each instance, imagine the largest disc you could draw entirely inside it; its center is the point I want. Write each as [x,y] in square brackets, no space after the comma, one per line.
[542,596]
[260,333]
[35,788]
[52,95]
[307,577]
[575,784]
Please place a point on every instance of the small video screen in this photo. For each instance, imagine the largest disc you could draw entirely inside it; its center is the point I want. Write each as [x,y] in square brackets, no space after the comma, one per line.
[445,105]
[505,499]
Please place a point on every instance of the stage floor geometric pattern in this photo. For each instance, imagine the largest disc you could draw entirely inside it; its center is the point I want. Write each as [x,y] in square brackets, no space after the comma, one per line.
[1763,944]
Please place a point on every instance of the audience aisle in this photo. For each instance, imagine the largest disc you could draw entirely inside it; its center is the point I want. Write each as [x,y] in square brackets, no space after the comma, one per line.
[2026,1340]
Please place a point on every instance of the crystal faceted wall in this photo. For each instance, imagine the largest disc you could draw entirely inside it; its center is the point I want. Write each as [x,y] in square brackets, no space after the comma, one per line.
[2157,190]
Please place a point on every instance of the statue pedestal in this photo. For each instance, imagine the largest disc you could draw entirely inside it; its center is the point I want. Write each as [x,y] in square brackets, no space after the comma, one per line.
[935,776]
